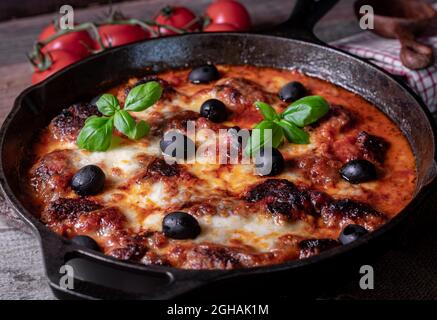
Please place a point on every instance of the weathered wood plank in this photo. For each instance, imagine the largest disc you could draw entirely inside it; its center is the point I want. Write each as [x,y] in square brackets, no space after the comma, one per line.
[14,79]
[25,8]
[21,267]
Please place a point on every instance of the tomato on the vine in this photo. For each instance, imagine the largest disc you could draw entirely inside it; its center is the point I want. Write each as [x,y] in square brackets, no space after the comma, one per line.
[177,17]
[218,27]
[230,12]
[77,42]
[114,35]
[59,60]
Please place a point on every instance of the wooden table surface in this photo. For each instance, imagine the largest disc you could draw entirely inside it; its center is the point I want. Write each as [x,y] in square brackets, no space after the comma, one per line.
[21,272]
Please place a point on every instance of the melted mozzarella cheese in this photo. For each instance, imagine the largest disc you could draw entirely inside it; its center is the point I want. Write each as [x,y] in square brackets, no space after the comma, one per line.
[120,162]
[257,231]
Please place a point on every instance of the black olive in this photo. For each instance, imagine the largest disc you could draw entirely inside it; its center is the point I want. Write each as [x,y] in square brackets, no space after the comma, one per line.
[351,233]
[292,91]
[88,180]
[204,74]
[357,171]
[86,242]
[177,145]
[269,165]
[214,110]
[180,225]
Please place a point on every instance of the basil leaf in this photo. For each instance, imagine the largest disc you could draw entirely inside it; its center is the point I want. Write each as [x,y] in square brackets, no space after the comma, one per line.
[267,111]
[143,96]
[306,110]
[293,133]
[260,136]
[107,104]
[141,129]
[277,136]
[90,118]
[96,134]
[124,123]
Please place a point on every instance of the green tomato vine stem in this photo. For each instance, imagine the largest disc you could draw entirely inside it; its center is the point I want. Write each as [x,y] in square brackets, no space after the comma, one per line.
[43,61]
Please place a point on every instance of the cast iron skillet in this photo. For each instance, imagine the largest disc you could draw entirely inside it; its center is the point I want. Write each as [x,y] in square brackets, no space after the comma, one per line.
[99,276]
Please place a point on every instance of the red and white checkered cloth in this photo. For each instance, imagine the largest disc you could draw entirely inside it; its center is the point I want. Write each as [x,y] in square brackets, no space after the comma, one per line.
[385,53]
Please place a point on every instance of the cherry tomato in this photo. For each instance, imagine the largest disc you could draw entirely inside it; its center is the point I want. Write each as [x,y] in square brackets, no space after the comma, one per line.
[230,12]
[178,17]
[114,35]
[217,27]
[79,42]
[60,59]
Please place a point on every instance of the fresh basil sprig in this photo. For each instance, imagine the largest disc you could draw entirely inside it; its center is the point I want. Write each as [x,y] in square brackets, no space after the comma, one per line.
[96,134]
[267,111]
[288,124]
[108,104]
[127,125]
[293,133]
[306,110]
[143,96]
[261,136]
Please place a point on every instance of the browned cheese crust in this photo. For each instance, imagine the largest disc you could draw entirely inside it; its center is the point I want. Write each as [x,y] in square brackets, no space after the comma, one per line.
[246,220]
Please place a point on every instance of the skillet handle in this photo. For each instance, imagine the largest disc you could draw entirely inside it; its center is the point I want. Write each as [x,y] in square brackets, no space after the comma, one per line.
[305,15]
[77,273]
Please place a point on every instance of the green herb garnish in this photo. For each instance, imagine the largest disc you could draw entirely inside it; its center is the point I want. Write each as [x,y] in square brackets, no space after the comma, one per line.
[96,134]
[260,136]
[293,133]
[288,124]
[306,110]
